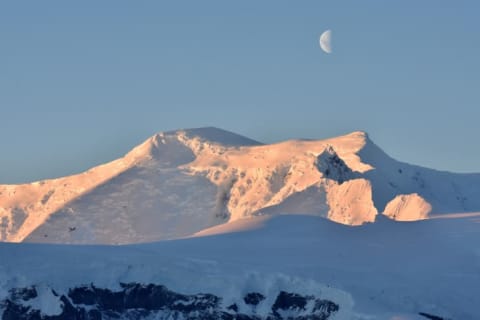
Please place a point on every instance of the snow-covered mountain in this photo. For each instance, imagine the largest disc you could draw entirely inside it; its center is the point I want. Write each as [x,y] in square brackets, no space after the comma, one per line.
[178,183]
[257,240]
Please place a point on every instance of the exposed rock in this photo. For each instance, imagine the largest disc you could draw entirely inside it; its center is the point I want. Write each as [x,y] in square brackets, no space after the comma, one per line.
[294,306]
[138,301]
[431,316]
[332,166]
[25,294]
[253,298]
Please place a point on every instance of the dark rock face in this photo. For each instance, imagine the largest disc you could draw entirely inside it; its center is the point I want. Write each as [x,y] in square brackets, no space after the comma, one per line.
[253,298]
[431,316]
[287,302]
[25,294]
[138,301]
[333,167]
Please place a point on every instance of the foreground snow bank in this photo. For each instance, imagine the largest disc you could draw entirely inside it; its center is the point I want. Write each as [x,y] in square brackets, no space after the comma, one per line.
[391,270]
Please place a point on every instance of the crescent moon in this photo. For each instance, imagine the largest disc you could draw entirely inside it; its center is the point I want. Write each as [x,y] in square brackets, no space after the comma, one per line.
[325,41]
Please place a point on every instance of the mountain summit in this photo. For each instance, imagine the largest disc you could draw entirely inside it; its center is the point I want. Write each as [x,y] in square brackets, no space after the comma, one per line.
[180,182]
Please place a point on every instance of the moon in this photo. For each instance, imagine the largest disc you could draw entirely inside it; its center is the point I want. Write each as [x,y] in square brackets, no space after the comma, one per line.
[325,41]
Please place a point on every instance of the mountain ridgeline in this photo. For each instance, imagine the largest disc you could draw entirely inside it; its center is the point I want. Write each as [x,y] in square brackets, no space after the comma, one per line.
[178,183]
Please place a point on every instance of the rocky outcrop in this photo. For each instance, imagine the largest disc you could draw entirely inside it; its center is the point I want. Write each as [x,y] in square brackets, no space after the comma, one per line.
[333,167]
[351,202]
[431,316]
[138,301]
[408,207]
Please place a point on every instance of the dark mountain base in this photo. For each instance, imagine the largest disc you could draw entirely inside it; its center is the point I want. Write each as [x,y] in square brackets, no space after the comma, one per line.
[138,301]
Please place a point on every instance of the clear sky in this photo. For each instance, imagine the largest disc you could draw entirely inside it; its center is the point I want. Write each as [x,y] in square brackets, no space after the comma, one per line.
[82,82]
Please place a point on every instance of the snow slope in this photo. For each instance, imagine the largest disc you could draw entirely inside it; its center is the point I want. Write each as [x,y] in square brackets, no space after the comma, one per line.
[143,196]
[180,182]
[385,270]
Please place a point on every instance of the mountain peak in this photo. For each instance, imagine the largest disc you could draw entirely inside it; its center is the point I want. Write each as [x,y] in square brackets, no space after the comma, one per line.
[358,137]
[216,135]
[359,133]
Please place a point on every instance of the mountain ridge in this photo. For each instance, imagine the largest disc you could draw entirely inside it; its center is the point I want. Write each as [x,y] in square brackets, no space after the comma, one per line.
[177,183]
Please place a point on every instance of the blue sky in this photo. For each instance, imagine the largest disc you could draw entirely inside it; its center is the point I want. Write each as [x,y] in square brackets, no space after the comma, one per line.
[83,82]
